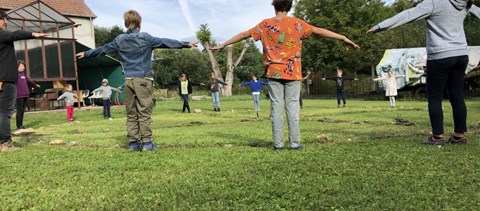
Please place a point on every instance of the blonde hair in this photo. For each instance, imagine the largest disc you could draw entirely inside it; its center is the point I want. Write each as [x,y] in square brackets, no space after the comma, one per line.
[68,86]
[132,20]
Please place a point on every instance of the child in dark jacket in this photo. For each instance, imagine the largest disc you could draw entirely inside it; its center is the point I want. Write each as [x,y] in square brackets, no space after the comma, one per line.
[256,86]
[22,92]
[184,89]
[214,90]
[339,80]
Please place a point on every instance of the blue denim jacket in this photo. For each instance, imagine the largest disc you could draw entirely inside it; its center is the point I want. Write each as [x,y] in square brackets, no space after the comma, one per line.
[135,48]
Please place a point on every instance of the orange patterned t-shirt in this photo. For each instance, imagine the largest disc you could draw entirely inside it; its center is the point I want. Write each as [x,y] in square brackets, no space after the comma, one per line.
[282,46]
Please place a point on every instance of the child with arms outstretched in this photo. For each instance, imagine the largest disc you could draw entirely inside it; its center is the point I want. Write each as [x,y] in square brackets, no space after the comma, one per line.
[106,93]
[256,86]
[68,95]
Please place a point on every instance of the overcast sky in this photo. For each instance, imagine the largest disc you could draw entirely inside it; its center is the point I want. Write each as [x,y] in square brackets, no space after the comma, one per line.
[180,19]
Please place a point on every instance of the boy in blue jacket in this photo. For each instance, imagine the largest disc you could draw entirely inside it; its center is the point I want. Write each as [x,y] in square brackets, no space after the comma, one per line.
[136,48]
[256,86]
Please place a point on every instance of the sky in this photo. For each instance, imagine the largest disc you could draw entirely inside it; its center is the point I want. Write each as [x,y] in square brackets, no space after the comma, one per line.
[180,19]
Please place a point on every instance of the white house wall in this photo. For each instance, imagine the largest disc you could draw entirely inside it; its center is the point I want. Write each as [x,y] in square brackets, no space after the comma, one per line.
[84,33]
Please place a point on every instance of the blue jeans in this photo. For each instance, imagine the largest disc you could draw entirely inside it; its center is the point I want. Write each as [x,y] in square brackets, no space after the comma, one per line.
[7,104]
[288,91]
[216,99]
[256,102]
[449,73]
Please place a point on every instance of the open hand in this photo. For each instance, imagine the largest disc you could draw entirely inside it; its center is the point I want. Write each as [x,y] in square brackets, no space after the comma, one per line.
[194,44]
[35,34]
[350,43]
[216,48]
[80,55]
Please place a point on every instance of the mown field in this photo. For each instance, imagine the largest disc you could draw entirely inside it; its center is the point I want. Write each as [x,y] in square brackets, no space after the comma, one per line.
[355,158]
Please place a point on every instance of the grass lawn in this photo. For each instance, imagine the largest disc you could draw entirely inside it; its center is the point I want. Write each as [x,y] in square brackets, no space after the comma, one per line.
[355,158]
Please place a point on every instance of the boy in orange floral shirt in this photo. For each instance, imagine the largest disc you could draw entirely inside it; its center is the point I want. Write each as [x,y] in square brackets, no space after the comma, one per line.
[281,38]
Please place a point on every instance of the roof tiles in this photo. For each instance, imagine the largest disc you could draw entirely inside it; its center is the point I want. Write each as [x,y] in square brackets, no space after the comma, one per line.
[65,7]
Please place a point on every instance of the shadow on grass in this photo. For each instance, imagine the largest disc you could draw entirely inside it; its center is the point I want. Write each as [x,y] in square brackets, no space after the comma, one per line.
[244,140]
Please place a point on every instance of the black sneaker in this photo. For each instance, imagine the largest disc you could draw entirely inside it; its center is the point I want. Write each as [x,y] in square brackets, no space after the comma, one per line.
[431,141]
[457,140]
[296,148]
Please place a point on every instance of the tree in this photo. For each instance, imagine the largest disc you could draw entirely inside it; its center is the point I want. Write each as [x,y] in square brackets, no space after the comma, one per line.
[104,35]
[472,30]
[169,64]
[353,18]
[205,37]
[252,62]
[348,17]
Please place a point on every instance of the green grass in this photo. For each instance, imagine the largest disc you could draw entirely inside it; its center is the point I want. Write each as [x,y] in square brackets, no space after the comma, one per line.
[354,159]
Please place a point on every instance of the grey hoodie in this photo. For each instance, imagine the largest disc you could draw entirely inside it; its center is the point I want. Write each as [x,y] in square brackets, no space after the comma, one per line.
[445,33]
[106,91]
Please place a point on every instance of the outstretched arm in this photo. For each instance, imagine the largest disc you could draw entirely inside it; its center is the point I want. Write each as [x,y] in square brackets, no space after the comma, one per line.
[329,34]
[349,79]
[421,11]
[195,83]
[61,96]
[113,89]
[475,11]
[31,82]
[171,43]
[239,37]
[6,36]
[105,49]
[379,79]
[245,84]
[221,82]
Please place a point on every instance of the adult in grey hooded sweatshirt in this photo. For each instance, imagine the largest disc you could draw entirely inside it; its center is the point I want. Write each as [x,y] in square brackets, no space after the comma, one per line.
[447,59]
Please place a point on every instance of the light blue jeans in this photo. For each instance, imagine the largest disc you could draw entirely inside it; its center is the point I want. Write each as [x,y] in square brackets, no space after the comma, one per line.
[285,91]
[215,99]
[256,102]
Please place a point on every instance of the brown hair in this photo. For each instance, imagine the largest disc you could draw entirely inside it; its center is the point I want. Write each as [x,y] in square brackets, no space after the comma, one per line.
[282,5]
[20,62]
[132,20]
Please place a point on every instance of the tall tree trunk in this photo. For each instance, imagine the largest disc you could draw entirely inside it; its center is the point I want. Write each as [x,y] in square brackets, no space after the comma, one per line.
[227,91]
[213,60]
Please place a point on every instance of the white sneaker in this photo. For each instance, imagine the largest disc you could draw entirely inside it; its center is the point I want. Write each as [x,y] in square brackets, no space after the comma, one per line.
[110,118]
